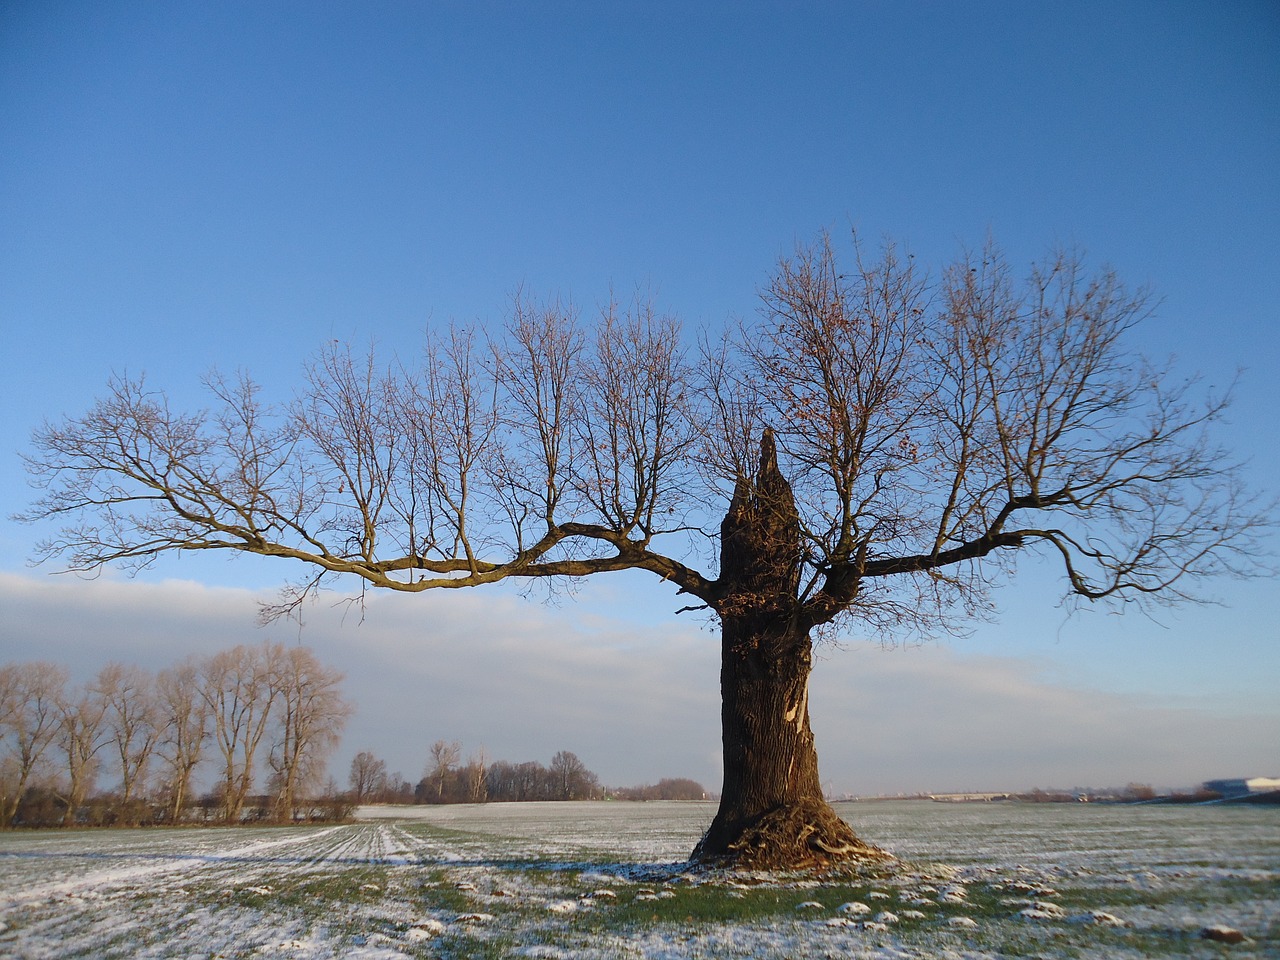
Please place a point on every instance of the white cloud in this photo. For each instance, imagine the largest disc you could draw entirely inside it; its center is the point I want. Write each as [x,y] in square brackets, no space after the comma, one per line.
[932,719]
[638,701]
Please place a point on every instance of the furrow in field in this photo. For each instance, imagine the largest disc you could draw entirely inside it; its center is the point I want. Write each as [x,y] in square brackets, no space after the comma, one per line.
[135,922]
[80,875]
[167,903]
[404,848]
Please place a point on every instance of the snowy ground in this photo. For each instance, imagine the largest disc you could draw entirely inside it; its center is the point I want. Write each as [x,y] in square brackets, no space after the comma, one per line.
[605,881]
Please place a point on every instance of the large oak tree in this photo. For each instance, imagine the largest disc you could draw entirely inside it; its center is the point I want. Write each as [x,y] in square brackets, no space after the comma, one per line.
[883,444]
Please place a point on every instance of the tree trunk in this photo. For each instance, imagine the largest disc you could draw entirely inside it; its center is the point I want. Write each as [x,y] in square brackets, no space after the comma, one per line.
[772,813]
[179,797]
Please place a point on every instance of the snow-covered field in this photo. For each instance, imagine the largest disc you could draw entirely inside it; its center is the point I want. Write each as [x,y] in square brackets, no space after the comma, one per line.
[605,880]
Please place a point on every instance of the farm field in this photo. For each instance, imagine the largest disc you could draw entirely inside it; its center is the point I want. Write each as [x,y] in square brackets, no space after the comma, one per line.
[605,880]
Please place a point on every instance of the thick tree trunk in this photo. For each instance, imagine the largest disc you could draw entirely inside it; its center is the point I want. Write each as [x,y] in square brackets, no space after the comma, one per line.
[772,813]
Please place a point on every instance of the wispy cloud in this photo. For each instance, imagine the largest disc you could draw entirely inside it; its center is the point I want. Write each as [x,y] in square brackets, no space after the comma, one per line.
[640,701]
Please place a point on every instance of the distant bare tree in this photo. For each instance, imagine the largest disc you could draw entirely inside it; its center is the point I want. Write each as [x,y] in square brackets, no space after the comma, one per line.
[532,781]
[129,695]
[81,738]
[30,718]
[310,714]
[570,778]
[8,694]
[882,443]
[669,788]
[444,758]
[475,776]
[368,776]
[500,780]
[183,715]
[238,687]
[398,789]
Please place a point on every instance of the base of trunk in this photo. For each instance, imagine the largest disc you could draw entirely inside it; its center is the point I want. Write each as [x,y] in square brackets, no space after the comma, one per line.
[804,835]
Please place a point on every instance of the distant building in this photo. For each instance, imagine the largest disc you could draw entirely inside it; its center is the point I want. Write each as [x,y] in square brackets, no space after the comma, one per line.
[1231,789]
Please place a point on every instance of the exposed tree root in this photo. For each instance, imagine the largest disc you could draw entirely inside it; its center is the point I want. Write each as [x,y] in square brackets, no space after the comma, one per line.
[802,836]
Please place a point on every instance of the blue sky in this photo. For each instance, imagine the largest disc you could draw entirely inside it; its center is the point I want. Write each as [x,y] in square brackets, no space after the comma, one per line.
[235,184]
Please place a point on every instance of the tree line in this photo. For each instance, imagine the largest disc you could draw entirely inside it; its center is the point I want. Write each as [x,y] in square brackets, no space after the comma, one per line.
[447,779]
[124,747]
[246,711]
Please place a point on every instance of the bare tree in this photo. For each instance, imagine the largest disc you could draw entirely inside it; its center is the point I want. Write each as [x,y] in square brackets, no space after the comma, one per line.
[368,776]
[81,737]
[30,694]
[883,444]
[310,714]
[475,776]
[444,758]
[183,715]
[130,722]
[530,781]
[500,781]
[8,694]
[128,693]
[570,778]
[238,687]
[398,789]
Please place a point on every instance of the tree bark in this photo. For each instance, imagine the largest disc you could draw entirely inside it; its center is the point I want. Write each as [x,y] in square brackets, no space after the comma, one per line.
[772,813]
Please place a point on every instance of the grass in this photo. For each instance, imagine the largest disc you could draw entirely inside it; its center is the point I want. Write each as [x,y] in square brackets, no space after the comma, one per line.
[530,903]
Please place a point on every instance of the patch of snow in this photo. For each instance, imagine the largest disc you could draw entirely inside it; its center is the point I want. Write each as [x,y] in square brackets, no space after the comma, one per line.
[425,930]
[597,878]
[854,907]
[374,953]
[964,922]
[1018,902]
[1100,918]
[273,949]
[1040,913]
